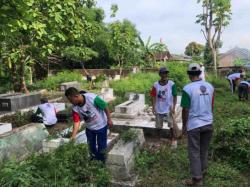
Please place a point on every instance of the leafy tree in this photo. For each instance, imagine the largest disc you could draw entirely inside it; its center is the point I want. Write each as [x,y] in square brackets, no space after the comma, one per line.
[146,49]
[194,49]
[33,30]
[124,42]
[215,16]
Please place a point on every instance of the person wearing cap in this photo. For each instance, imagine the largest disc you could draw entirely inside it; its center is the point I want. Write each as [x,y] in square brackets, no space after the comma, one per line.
[203,74]
[243,89]
[164,98]
[47,111]
[197,117]
[234,79]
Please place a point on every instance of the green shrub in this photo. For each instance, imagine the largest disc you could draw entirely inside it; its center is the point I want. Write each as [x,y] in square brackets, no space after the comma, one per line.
[128,135]
[53,82]
[232,143]
[165,167]
[69,165]
[143,82]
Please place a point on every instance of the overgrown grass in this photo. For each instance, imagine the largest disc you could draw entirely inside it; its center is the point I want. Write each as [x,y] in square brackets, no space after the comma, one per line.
[143,82]
[69,165]
[167,168]
[53,82]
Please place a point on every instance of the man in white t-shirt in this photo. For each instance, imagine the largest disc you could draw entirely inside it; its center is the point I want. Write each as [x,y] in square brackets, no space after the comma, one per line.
[164,98]
[48,112]
[233,80]
[197,117]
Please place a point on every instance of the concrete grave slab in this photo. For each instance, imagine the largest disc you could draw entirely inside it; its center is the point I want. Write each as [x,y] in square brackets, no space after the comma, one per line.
[17,101]
[107,94]
[66,85]
[22,142]
[5,127]
[131,108]
[121,158]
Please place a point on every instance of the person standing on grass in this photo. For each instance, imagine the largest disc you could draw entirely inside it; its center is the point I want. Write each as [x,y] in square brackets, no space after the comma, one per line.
[48,112]
[95,113]
[233,80]
[197,117]
[164,98]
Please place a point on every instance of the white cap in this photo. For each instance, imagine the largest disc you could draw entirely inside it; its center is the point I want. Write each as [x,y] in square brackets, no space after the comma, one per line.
[194,67]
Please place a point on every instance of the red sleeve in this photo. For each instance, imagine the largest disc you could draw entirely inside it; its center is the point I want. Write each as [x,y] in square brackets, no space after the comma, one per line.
[153,92]
[76,117]
[213,102]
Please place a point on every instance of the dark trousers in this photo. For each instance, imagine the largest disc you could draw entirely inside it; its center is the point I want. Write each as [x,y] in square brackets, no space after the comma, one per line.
[97,141]
[232,85]
[243,91]
[198,142]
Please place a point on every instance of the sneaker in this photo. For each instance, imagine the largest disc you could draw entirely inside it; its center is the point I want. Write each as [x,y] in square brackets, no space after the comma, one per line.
[192,182]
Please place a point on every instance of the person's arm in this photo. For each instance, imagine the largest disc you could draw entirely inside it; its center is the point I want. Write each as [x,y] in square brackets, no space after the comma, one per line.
[185,113]
[75,130]
[174,94]
[185,104]
[107,112]
[76,119]
[153,95]
[100,103]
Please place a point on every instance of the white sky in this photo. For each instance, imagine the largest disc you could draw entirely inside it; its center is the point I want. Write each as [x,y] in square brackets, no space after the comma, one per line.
[174,21]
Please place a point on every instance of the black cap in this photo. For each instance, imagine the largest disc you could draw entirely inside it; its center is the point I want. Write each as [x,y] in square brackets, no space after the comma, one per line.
[163,70]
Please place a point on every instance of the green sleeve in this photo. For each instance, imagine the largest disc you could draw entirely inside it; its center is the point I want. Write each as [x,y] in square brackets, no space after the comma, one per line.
[185,100]
[100,103]
[174,90]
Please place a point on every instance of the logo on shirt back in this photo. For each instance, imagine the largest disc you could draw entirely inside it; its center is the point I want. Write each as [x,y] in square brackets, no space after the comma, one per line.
[203,90]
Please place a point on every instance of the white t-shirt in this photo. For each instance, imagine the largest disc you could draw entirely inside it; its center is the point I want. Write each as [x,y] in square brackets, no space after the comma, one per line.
[198,98]
[164,97]
[48,113]
[234,76]
[202,75]
[245,82]
[94,117]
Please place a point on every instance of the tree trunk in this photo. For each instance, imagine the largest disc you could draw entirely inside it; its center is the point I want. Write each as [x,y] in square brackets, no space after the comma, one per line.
[14,78]
[23,87]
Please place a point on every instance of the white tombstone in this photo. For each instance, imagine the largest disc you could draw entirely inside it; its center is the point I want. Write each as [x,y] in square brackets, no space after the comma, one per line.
[117,77]
[5,127]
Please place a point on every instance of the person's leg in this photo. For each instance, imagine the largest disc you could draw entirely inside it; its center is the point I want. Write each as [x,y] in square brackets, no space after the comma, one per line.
[205,138]
[159,123]
[240,92]
[194,153]
[170,121]
[234,85]
[102,143]
[91,138]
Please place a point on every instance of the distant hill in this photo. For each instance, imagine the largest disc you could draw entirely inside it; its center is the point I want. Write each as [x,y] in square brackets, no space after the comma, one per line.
[227,59]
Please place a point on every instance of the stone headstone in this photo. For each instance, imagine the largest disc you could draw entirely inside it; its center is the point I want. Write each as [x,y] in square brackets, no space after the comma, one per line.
[5,127]
[66,85]
[22,142]
[121,158]
[105,84]
[17,101]
[131,108]
[117,77]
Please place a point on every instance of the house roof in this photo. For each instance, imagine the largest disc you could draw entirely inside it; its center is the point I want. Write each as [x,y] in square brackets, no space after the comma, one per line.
[227,59]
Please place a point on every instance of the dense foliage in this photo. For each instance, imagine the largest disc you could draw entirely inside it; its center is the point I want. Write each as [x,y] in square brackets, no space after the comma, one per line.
[53,82]
[143,82]
[69,165]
